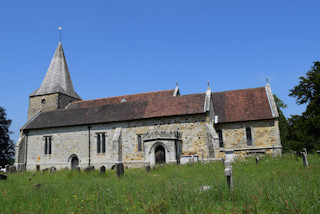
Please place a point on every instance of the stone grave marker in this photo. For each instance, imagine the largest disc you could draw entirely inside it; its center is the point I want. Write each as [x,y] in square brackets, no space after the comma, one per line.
[257,161]
[102,170]
[228,174]
[12,169]
[305,159]
[119,169]
[3,177]
[147,168]
[53,169]
[77,169]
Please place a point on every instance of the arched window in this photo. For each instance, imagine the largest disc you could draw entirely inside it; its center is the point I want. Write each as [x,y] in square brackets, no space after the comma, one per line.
[249,136]
[47,145]
[98,143]
[220,139]
[103,143]
[139,143]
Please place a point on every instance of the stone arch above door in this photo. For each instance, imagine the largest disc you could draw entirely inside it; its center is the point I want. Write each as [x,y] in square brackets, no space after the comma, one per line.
[73,161]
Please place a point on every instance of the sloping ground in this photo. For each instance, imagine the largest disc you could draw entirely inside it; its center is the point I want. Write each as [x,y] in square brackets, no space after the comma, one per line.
[277,185]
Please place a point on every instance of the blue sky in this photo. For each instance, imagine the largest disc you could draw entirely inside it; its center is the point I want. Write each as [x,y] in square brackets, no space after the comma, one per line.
[124,47]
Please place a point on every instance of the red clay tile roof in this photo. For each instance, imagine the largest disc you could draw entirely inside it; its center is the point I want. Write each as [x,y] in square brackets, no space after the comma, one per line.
[114,112]
[229,106]
[242,105]
[127,98]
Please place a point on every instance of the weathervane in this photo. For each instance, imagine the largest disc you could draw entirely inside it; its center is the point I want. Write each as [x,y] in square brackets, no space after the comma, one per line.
[208,83]
[176,83]
[60,29]
[267,80]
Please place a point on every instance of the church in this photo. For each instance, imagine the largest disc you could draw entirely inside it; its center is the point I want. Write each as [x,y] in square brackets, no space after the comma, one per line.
[64,131]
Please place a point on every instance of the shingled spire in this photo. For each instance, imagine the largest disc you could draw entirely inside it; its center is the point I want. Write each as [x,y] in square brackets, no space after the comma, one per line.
[57,79]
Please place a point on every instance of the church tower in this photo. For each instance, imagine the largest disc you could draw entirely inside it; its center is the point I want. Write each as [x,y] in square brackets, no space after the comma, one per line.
[56,90]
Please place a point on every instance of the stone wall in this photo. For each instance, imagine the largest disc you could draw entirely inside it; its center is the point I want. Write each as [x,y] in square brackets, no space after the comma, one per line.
[70,141]
[48,103]
[265,137]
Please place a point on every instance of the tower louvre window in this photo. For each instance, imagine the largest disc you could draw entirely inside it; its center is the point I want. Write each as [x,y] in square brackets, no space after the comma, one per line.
[47,145]
[101,143]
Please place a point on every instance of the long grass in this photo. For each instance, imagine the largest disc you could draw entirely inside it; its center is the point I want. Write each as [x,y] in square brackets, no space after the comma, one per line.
[276,185]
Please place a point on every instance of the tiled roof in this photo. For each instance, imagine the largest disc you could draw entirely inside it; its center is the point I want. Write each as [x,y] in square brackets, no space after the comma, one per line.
[158,107]
[229,106]
[242,105]
[125,98]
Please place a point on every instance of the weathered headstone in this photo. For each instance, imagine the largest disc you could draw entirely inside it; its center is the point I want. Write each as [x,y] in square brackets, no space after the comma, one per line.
[305,159]
[45,170]
[147,168]
[228,174]
[119,169]
[102,170]
[257,161]
[3,177]
[12,169]
[229,155]
[89,169]
[53,169]
[37,186]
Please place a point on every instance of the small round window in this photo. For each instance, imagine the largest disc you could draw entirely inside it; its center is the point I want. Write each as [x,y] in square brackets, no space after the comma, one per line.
[43,101]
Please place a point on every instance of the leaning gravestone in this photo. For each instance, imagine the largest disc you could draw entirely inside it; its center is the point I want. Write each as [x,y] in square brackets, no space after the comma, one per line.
[12,169]
[102,170]
[119,169]
[228,174]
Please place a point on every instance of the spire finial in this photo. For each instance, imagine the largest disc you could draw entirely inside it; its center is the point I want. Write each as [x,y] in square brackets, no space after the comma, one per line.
[208,84]
[267,80]
[176,83]
[60,29]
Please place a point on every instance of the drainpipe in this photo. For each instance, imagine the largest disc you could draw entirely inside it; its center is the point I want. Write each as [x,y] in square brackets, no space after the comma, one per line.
[89,128]
[26,150]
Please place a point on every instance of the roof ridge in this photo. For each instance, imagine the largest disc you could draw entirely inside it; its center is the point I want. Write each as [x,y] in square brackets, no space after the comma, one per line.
[123,95]
[238,90]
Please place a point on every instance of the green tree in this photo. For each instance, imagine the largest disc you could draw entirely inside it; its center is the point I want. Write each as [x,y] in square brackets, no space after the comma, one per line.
[6,144]
[305,129]
[283,123]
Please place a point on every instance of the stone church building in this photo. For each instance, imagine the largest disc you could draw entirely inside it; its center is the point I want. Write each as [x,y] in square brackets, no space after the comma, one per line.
[142,129]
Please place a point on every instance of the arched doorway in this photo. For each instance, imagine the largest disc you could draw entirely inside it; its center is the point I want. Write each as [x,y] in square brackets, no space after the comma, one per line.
[160,154]
[74,162]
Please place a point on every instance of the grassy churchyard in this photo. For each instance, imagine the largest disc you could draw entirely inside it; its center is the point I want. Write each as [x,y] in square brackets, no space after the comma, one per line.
[276,185]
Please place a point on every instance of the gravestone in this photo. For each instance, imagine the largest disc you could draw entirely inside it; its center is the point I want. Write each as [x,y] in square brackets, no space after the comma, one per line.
[119,169]
[3,177]
[53,169]
[228,174]
[77,169]
[45,170]
[12,169]
[305,159]
[257,161]
[147,168]
[229,155]
[102,170]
